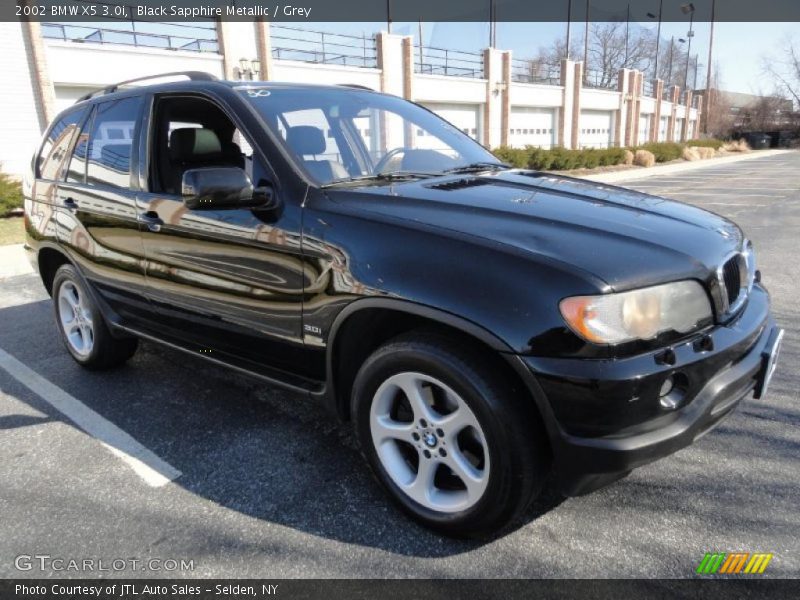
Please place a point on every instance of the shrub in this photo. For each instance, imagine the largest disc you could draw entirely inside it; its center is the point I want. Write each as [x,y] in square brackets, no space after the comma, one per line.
[539,160]
[628,157]
[664,151]
[588,159]
[517,157]
[706,152]
[690,153]
[613,156]
[561,159]
[709,143]
[10,194]
[644,158]
[736,146]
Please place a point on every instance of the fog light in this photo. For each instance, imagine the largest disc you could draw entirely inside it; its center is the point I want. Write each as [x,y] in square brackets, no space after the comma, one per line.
[673,391]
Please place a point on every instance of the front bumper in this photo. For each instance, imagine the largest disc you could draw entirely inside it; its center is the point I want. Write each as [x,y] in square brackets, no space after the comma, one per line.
[607,417]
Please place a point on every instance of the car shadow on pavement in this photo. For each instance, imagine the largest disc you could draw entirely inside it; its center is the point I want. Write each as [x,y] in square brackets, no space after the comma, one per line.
[266,453]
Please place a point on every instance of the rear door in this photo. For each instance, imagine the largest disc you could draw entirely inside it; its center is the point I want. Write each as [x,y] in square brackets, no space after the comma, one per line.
[50,167]
[97,216]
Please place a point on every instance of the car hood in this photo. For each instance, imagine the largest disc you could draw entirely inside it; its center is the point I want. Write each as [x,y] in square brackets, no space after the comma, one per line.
[626,238]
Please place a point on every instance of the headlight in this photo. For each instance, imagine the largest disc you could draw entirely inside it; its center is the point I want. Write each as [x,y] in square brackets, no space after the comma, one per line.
[638,314]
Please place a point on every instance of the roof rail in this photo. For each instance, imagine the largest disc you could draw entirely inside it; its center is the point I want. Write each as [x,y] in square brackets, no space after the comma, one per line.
[192,75]
[356,86]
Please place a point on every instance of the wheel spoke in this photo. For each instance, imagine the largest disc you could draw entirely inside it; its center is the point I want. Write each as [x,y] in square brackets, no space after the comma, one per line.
[384,427]
[412,388]
[421,488]
[71,294]
[457,420]
[474,479]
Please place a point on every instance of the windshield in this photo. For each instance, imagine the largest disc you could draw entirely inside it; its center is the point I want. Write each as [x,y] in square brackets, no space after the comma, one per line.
[352,135]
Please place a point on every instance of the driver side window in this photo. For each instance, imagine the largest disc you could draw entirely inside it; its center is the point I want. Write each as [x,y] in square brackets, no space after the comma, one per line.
[191,133]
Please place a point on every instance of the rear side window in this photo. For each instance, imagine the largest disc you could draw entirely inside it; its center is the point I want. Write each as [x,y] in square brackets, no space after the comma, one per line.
[51,162]
[110,145]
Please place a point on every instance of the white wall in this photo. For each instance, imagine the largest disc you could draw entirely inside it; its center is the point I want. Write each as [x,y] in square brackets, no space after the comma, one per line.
[439,88]
[96,65]
[20,124]
[301,72]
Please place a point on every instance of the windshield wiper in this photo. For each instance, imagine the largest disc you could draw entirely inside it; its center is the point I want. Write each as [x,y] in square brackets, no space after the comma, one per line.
[477,166]
[396,176]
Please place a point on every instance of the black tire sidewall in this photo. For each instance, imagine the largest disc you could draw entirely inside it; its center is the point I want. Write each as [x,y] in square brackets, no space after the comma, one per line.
[487,404]
[67,273]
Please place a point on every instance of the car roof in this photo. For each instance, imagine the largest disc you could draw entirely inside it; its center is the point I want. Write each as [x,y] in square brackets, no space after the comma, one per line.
[101,95]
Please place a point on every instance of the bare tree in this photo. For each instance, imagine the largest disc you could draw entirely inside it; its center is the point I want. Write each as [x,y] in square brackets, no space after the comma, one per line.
[785,68]
[608,52]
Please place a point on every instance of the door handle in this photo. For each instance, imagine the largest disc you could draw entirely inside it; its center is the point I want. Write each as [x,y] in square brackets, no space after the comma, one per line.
[70,205]
[152,220]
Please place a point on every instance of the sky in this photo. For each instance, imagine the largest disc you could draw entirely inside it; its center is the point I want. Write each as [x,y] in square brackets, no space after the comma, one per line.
[739,48]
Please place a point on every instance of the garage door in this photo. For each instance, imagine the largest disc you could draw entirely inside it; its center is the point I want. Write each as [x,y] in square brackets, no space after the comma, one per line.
[676,136]
[644,128]
[532,127]
[467,117]
[662,129]
[596,128]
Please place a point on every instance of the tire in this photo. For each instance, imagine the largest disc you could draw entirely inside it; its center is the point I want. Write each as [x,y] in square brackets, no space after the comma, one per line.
[82,327]
[496,448]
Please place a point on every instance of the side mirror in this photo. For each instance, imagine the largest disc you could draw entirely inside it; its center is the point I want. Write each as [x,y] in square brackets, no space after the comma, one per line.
[219,188]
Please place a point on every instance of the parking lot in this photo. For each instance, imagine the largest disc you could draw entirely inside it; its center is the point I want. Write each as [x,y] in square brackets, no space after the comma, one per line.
[266,484]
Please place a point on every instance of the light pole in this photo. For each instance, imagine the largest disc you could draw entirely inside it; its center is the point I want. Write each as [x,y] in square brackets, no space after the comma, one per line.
[671,50]
[627,31]
[707,99]
[658,36]
[586,44]
[688,9]
[569,27]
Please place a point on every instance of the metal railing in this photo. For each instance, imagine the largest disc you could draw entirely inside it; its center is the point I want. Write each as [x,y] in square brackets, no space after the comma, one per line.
[666,95]
[442,61]
[531,71]
[648,89]
[175,36]
[600,80]
[321,47]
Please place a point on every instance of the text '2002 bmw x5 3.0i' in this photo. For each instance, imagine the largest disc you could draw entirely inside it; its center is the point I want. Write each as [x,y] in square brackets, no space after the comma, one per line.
[481,326]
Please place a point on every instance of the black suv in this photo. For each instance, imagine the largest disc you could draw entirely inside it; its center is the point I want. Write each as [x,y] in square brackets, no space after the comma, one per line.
[481,326]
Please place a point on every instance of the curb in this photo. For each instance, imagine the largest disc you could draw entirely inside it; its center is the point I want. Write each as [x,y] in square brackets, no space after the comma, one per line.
[630,175]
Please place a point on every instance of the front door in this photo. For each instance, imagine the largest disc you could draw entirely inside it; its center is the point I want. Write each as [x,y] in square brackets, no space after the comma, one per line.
[226,283]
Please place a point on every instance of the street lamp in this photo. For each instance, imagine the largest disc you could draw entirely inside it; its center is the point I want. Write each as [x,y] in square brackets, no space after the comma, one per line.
[658,36]
[688,9]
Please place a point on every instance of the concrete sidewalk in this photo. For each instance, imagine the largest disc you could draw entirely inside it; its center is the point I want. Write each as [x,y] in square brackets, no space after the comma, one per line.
[682,167]
[13,261]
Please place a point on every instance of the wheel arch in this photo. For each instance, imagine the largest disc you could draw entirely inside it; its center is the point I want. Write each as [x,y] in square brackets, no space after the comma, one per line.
[49,259]
[385,318]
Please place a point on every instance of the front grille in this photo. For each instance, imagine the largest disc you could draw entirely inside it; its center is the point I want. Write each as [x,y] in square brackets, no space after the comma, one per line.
[732,278]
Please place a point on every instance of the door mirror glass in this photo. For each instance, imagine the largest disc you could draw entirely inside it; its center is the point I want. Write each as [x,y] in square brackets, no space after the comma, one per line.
[216,188]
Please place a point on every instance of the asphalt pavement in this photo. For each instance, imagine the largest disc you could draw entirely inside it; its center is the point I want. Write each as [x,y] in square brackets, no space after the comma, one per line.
[266,484]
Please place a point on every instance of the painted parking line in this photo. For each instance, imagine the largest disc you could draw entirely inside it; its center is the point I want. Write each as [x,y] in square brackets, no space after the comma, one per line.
[153,470]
